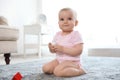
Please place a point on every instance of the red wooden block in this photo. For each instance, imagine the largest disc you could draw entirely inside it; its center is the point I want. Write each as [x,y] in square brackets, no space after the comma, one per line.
[17,76]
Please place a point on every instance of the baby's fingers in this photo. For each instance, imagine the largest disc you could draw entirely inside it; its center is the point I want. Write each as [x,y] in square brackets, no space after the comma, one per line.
[50,44]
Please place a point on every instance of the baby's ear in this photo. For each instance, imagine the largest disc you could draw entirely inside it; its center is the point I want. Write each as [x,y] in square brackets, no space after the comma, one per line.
[76,22]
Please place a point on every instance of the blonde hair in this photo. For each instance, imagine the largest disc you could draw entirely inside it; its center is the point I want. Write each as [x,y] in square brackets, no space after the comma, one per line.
[69,9]
[3,21]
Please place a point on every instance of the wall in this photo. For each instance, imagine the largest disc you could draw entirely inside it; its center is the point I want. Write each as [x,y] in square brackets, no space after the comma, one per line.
[19,13]
[99,20]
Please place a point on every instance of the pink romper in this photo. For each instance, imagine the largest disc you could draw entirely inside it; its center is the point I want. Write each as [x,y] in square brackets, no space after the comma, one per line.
[67,41]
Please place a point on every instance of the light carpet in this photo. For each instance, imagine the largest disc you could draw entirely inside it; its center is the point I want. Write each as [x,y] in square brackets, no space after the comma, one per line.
[97,68]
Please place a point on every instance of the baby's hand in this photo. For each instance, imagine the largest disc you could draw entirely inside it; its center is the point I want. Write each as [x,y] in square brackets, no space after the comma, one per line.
[58,48]
[51,48]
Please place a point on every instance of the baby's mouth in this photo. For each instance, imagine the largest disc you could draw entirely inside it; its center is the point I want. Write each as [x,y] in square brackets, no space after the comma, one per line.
[66,25]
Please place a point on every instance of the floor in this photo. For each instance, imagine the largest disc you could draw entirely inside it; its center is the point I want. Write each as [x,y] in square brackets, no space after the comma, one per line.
[20,58]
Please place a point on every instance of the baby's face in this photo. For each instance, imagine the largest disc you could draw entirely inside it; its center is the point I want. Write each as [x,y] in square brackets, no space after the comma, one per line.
[67,20]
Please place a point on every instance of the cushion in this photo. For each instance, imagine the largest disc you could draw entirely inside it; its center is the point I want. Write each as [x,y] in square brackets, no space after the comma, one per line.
[8,47]
[8,33]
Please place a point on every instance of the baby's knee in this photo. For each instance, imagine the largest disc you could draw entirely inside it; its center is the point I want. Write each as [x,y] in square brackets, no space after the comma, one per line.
[46,69]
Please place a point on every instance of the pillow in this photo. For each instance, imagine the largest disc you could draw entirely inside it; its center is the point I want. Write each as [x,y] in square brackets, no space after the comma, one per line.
[3,21]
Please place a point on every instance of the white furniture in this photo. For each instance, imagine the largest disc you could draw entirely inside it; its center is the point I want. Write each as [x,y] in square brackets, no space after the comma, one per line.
[8,41]
[108,51]
[38,30]
[34,30]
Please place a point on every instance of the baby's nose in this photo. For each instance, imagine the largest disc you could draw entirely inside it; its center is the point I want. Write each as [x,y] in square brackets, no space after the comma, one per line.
[65,21]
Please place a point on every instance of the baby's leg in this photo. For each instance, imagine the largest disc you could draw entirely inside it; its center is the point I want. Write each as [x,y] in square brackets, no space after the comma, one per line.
[49,67]
[68,69]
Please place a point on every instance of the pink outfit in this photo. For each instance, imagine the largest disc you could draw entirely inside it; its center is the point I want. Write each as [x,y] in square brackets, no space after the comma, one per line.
[67,41]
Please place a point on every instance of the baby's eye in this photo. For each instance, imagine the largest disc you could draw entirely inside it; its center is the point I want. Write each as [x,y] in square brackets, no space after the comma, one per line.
[69,18]
[61,19]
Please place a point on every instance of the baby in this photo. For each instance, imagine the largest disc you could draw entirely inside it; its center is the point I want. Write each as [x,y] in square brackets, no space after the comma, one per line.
[68,47]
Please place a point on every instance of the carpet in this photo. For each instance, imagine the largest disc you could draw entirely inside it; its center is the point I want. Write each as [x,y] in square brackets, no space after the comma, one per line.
[97,68]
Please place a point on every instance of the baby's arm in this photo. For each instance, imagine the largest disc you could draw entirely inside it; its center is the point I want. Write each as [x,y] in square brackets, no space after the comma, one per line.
[73,51]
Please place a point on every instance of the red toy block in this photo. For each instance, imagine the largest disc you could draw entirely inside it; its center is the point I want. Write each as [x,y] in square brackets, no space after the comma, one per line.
[17,76]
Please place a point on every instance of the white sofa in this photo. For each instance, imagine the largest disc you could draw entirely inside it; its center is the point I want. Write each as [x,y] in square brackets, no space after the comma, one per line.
[8,41]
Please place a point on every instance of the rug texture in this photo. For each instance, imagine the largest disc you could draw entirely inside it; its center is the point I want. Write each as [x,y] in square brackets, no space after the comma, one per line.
[97,68]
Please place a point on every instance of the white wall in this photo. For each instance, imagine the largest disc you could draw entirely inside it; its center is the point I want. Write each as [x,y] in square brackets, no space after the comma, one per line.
[99,20]
[19,13]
